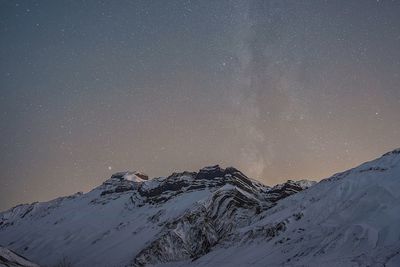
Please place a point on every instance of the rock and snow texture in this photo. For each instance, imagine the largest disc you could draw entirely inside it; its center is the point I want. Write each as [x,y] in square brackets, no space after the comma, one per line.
[130,220]
[9,258]
[217,217]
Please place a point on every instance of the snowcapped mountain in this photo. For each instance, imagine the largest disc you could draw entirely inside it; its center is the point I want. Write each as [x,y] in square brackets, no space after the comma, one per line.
[217,217]
[130,219]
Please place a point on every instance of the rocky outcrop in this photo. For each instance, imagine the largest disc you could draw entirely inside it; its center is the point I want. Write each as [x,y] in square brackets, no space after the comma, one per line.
[9,258]
[286,189]
[217,220]
[211,177]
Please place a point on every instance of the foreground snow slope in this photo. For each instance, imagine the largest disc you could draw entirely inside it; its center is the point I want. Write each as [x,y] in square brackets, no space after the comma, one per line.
[218,217]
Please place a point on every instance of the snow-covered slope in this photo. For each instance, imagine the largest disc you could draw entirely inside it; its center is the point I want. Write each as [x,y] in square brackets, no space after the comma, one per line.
[130,219]
[350,219]
[9,258]
[218,217]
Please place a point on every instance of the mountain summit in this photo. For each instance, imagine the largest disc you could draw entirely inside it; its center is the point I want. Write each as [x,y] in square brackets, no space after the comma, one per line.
[217,217]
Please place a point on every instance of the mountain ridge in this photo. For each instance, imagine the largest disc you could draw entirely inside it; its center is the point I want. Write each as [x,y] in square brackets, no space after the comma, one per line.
[218,217]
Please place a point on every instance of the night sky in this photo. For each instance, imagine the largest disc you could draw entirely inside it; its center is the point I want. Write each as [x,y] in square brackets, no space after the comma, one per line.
[279,89]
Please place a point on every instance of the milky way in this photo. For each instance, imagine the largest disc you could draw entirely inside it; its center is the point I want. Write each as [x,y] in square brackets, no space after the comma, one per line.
[279,89]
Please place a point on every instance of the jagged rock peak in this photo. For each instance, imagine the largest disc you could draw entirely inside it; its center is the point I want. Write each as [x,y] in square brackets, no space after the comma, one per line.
[216,168]
[131,176]
[123,182]
[206,173]
[159,190]
[214,171]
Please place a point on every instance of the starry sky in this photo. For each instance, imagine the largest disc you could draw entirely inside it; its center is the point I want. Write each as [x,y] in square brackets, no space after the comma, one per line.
[279,89]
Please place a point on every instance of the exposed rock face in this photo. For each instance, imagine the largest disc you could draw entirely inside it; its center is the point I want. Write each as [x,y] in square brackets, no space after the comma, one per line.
[209,177]
[9,258]
[123,181]
[286,189]
[233,204]
[131,176]
[198,230]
